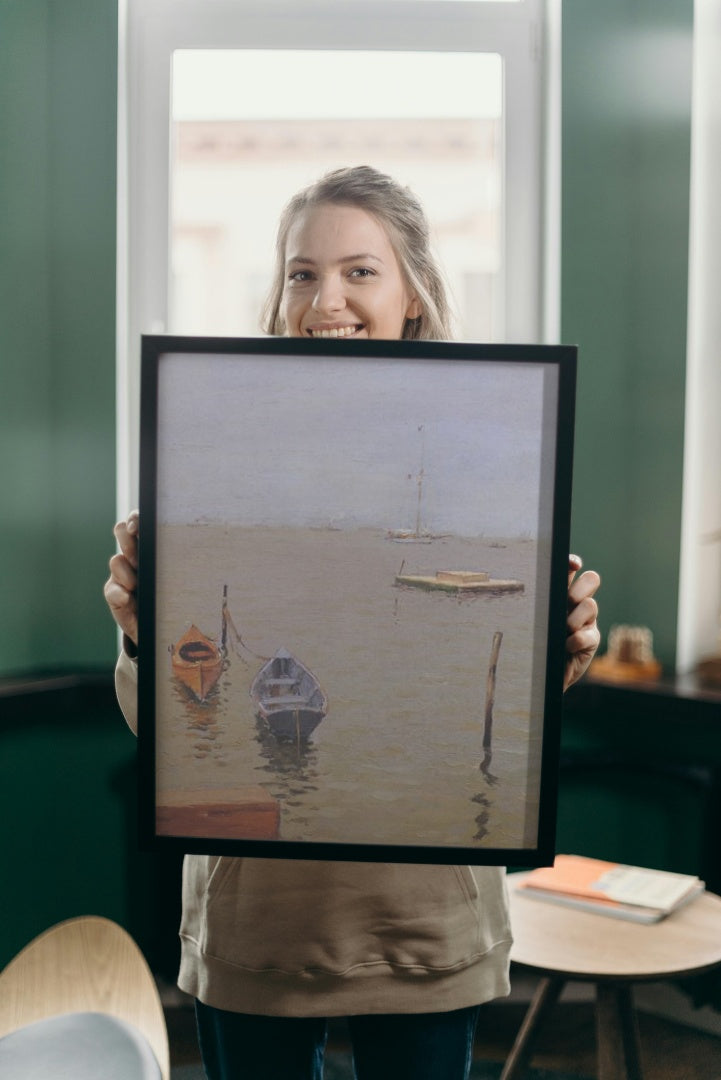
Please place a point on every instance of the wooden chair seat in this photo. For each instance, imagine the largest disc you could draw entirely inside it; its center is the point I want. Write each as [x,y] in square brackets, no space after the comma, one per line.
[84,965]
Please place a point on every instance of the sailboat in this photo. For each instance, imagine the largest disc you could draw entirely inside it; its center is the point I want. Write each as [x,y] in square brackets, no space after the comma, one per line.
[418,535]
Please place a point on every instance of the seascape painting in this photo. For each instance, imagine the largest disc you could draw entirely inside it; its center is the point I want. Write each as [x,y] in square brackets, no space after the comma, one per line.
[352,600]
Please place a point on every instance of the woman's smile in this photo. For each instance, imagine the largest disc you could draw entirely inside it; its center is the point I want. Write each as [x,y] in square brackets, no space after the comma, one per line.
[335,331]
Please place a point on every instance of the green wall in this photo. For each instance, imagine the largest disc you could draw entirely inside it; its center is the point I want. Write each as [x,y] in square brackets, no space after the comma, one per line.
[625,201]
[68,804]
[58,72]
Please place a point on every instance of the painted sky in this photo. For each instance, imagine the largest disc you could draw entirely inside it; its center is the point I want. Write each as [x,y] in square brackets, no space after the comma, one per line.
[339,442]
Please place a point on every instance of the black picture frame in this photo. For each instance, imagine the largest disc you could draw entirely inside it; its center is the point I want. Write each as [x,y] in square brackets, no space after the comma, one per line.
[353,568]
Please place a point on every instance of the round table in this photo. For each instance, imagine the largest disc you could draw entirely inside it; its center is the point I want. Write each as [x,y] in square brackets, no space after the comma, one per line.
[563,944]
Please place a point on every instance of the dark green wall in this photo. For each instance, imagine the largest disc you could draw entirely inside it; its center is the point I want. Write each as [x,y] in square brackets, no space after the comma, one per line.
[631,790]
[58,73]
[68,804]
[625,202]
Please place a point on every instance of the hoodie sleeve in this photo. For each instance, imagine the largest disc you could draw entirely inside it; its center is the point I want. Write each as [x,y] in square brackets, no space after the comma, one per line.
[126,688]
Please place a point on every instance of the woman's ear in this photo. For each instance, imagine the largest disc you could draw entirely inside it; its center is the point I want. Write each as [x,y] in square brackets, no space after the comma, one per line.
[415,309]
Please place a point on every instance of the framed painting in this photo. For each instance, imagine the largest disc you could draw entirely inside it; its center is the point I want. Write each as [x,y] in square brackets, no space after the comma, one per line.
[352,597]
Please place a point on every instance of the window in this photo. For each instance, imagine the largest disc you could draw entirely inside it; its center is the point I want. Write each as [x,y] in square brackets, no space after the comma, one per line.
[235,160]
[227,107]
[699,624]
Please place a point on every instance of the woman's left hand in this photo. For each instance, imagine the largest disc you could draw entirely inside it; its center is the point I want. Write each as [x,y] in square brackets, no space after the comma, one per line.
[583,636]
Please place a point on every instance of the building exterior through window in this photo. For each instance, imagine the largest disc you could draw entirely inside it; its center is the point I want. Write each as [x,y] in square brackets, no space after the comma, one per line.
[231,179]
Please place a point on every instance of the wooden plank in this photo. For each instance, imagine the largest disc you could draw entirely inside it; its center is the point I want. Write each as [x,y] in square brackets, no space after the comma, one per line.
[247,813]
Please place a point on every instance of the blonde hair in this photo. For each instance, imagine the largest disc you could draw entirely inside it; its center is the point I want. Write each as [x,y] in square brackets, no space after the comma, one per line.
[403,217]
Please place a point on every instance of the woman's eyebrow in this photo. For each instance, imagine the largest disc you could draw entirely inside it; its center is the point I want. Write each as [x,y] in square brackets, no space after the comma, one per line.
[361,257]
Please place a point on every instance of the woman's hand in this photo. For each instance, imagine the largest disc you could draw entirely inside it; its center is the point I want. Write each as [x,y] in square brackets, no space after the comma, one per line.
[121,587]
[583,636]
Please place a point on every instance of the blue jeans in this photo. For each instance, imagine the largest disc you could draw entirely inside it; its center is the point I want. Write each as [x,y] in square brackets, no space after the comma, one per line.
[416,1046]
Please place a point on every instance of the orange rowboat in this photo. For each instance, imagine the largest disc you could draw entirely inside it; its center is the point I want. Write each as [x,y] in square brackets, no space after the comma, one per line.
[197,662]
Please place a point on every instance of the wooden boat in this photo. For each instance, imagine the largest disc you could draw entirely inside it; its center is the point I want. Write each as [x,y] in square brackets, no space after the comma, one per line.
[461,582]
[288,697]
[197,661]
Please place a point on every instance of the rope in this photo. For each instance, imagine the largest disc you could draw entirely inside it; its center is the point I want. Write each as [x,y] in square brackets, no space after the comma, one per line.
[239,640]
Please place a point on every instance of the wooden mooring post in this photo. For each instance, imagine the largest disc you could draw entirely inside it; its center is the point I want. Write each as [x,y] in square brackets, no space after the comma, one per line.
[491,690]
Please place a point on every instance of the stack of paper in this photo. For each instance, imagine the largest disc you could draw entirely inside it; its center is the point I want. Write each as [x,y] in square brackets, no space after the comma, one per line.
[624,892]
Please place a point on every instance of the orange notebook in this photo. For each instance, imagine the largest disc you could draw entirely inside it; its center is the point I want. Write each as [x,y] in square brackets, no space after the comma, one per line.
[630,892]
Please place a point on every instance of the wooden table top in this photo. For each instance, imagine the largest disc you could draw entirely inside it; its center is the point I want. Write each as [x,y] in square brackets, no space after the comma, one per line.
[560,940]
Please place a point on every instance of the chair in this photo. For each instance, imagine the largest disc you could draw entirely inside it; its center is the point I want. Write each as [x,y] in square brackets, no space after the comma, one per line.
[80,1001]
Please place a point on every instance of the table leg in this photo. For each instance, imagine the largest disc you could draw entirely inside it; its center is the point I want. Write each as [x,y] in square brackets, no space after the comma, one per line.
[545,997]
[617,1033]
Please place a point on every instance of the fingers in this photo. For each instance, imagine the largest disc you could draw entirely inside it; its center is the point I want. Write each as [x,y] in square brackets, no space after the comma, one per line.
[126,534]
[123,573]
[584,641]
[575,563]
[582,607]
[583,636]
[123,608]
[121,587]
[580,614]
[582,588]
[120,600]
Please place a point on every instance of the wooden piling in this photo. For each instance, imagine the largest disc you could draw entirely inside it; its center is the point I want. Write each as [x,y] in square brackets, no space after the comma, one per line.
[491,690]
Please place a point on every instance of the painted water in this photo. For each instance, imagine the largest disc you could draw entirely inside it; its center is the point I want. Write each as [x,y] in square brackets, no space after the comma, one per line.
[399,758]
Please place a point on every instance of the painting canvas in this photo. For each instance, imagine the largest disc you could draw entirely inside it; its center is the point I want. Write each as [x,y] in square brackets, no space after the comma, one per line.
[353,573]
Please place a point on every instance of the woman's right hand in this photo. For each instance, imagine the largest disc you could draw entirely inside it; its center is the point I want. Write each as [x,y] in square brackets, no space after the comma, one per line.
[121,587]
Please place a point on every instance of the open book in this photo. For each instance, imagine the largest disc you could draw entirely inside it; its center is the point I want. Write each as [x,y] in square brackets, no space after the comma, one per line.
[608,888]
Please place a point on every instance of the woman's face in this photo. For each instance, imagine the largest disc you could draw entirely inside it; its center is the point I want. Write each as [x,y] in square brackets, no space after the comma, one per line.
[342,277]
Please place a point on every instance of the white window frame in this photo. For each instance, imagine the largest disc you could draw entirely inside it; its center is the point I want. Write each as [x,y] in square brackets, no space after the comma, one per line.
[699,597]
[526,34]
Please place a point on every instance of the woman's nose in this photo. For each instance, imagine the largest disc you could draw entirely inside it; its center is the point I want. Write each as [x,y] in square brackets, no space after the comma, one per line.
[329,296]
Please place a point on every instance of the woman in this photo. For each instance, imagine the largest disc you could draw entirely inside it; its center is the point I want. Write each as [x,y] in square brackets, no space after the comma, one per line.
[271,948]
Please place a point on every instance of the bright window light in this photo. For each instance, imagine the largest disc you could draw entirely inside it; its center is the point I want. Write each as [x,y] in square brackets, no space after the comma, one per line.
[238,155]
[223,84]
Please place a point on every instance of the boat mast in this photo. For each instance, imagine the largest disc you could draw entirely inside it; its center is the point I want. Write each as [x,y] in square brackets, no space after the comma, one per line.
[420,483]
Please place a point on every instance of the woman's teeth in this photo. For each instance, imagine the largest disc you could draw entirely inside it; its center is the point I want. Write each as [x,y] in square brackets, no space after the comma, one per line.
[337,331]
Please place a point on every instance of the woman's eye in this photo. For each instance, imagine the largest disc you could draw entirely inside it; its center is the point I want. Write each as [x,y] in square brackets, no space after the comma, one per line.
[300,276]
[362,272]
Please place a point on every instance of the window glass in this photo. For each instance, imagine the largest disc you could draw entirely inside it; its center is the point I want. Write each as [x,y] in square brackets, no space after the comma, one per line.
[238,155]
[226,108]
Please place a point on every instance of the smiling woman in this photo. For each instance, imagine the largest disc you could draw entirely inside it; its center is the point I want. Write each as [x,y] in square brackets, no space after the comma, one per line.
[272,946]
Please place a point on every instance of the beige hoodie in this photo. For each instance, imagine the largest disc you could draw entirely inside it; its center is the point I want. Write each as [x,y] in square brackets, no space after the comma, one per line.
[286,937]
